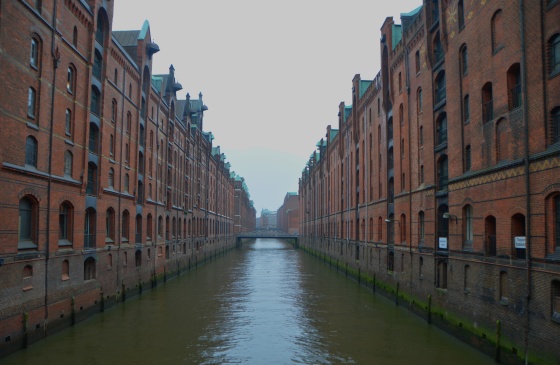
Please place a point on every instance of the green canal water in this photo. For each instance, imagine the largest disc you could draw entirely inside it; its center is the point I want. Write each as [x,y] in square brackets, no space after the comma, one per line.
[263,304]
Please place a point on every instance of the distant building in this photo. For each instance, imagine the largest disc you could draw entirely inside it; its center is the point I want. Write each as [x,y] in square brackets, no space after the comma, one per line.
[268,219]
[288,214]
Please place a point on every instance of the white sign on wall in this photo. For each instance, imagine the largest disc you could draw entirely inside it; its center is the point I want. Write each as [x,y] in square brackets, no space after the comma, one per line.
[520,241]
[443,242]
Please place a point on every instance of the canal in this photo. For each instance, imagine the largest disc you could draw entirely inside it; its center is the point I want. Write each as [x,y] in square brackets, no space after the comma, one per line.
[265,303]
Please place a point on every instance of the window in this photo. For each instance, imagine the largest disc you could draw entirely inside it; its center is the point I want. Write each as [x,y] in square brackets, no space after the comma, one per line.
[38,5]
[31,151]
[91,185]
[89,269]
[68,158]
[487,103]
[128,122]
[468,158]
[65,223]
[440,87]
[421,226]
[93,138]
[421,174]
[68,124]
[95,101]
[31,102]
[113,111]
[461,14]
[149,226]
[100,32]
[110,225]
[70,80]
[556,210]
[65,271]
[468,226]
[75,37]
[421,136]
[111,145]
[514,86]
[441,129]
[138,258]
[442,173]
[497,31]
[419,100]
[417,61]
[125,225]
[518,230]
[27,229]
[111,177]
[438,49]
[140,193]
[555,119]
[441,279]
[554,61]
[464,60]
[466,109]
[97,65]
[138,229]
[400,83]
[34,56]
[126,183]
[127,153]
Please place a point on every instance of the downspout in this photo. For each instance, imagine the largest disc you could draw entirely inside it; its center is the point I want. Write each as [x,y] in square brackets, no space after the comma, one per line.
[118,235]
[155,232]
[56,63]
[407,74]
[527,174]
[366,177]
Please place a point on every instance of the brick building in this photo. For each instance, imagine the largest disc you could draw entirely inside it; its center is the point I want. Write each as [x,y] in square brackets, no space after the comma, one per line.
[288,213]
[109,180]
[245,214]
[443,176]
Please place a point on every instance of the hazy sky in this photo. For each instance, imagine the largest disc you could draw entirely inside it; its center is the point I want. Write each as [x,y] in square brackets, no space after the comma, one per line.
[272,73]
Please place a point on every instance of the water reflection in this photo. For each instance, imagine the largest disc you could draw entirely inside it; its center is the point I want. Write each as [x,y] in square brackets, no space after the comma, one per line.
[264,304]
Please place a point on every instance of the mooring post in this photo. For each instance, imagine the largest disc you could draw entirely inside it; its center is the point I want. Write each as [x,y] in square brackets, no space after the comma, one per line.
[498,338]
[429,308]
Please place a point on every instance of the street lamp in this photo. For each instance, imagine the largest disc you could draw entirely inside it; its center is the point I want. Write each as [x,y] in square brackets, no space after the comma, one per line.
[448,215]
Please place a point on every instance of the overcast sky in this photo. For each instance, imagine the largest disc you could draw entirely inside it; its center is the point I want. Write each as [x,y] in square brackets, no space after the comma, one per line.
[272,73]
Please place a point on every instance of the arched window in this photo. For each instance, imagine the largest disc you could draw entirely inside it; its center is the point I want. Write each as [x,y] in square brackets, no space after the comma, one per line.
[487,103]
[421,227]
[554,54]
[89,228]
[113,110]
[65,223]
[68,162]
[390,129]
[140,193]
[464,60]
[125,229]
[27,229]
[110,225]
[441,274]
[97,68]
[417,61]
[497,31]
[490,235]
[111,177]
[514,86]
[419,100]
[31,151]
[93,138]
[126,183]
[89,269]
[149,227]
[441,129]
[70,79]
[518,235]
[160,226]
[31,102]
[468,227]
[34,53]
[100,31]
[138,229]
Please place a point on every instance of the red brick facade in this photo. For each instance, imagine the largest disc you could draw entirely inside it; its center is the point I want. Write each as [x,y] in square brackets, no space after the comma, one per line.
[288,214]
[109,180]
[445,160]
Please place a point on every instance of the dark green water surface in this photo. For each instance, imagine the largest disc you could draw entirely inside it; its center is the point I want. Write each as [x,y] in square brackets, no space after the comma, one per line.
[265,303]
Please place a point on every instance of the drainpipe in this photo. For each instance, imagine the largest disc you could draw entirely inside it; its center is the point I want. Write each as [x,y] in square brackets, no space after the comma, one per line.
[527,173]
[118,236]
[56,63]
[366,177]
